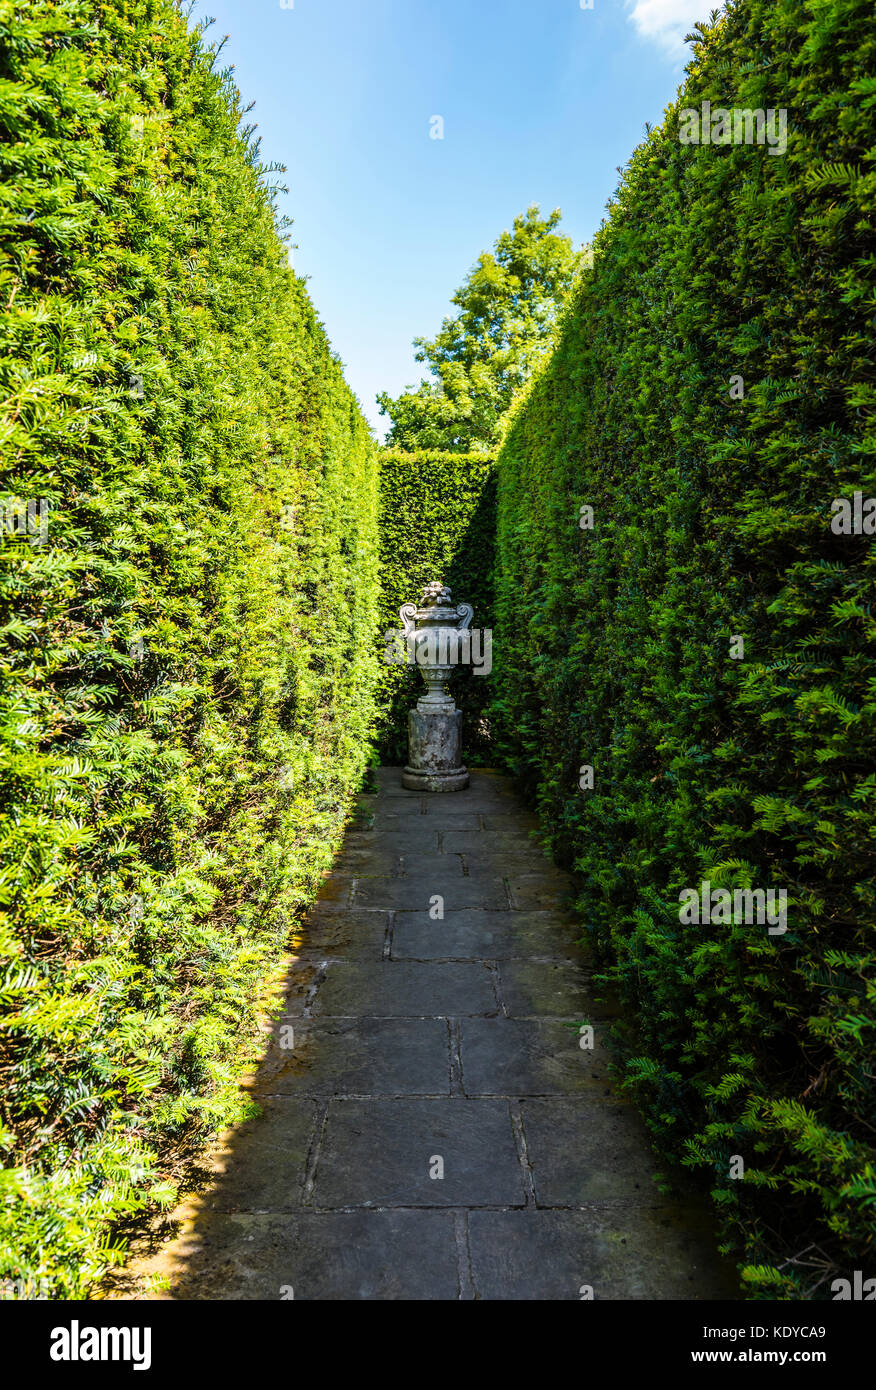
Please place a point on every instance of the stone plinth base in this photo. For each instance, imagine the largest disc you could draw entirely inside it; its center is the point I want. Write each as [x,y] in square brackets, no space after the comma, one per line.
[435,751]
[416,781]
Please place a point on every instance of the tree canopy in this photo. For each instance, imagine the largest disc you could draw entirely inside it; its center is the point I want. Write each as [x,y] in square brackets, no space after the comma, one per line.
[507,306]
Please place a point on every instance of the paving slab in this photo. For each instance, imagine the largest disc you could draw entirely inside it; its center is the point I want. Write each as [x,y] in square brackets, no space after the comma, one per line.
[406,990]
[413,839]
[544,988]
[390,785]
[335,895]
[398,816]
[308,1257]
[478,935]
[608,1253]
[465,824]
[356,935]
[300,982]
[382,1153]
[523,860]
[516,821]
[482,790]
[469,804]
[420,866]
[260,1165]
[370,863]
[528,1057]
[485,843]
[585,1150]
[357,1056]
[531,892]
[416,893]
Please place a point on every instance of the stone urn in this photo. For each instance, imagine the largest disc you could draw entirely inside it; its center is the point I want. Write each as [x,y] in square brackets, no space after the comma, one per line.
[432,635]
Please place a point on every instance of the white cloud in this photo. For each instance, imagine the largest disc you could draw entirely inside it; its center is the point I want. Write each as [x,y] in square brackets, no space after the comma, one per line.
[665,22]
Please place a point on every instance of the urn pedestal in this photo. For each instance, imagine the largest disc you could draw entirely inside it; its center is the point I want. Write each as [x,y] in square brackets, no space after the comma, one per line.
[435,750]
[435,726]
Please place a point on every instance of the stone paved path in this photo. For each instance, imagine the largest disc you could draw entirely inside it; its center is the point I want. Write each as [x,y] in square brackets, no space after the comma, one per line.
[421,1044]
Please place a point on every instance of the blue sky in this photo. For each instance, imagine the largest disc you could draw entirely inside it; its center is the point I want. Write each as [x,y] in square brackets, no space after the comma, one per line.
[541,101]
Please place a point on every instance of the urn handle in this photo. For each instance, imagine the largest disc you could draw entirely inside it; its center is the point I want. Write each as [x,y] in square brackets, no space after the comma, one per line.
[408,613]
[466,613]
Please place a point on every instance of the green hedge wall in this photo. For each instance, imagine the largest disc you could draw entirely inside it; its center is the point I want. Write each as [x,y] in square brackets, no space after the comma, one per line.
[712,520]
[437,521]
[213,494]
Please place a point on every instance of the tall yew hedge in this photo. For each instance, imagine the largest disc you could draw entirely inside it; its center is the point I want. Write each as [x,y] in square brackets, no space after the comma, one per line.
[712,522]
[187,665]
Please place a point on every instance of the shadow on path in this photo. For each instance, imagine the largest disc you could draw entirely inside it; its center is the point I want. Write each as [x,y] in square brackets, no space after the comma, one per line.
[431,1126]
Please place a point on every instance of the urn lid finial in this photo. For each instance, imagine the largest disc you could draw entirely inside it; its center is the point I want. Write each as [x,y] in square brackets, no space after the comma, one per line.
[436,593]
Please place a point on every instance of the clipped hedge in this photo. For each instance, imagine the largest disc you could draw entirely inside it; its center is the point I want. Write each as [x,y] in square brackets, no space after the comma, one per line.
[187,666]
[437,521]
[712,521]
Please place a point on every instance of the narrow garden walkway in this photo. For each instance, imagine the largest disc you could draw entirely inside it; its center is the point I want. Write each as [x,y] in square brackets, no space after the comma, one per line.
[431,1126]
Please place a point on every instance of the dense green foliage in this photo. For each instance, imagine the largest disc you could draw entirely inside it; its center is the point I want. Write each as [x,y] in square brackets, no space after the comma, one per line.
[482,355]
[712,518]
[437,521]
[167,807]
